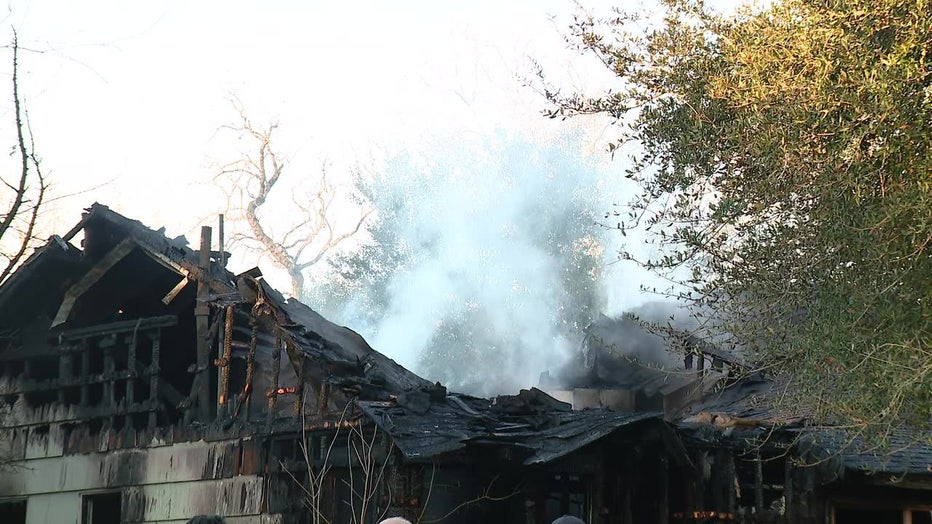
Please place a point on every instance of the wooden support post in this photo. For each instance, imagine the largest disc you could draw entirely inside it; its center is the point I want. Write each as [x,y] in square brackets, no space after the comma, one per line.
[85,369]
[201,312]
[227,343]
[109,367]
[109,400]
[131,366]
[664,487]
[702,464]
[788,498]
[717,481]
[758,485]
[276,371]
[299,397]
[154,377]
[627,517]
[250,363]
[323,399]
[731,478]
[64,374]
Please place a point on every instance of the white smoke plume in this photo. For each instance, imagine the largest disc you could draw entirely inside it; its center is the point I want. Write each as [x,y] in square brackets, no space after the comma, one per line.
[487,261]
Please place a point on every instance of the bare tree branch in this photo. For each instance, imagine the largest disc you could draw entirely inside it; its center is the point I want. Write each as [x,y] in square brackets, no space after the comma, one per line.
[311,231]
[23,208]
[20,191]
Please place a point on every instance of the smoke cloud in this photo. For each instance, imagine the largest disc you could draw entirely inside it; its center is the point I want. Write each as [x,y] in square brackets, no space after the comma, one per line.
[487,261]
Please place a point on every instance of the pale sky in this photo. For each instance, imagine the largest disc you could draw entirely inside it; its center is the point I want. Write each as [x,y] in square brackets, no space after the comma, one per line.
[131,94]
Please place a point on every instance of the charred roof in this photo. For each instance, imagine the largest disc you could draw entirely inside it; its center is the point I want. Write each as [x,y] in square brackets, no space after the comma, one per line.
[124,269]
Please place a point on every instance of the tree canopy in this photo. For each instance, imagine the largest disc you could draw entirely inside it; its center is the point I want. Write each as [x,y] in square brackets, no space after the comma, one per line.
[783,158]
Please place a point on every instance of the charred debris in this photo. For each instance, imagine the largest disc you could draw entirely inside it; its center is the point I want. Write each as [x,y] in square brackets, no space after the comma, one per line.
[141,381]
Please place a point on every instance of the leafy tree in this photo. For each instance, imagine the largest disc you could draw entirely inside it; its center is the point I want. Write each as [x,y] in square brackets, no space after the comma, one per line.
[783,156]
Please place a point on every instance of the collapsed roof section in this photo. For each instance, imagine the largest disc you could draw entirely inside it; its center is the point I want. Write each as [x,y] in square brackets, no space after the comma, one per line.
[528,428]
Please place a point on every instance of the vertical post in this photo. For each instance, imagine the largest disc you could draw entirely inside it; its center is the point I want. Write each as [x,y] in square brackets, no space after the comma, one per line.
[758,485]
[731,478]
[323,399]
[788,498]
[223,256]
[154,378]
[276,371]
[299,397]
[664,513]
[225,360]
[64,373]
[250,363]
[109,368]
[109,383]
[224,336]
[627,517]
[702,465]
[85,367]
[201,312]
[131,366]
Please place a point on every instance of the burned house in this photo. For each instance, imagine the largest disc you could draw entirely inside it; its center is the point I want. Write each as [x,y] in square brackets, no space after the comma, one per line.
[753,458]
[141,381]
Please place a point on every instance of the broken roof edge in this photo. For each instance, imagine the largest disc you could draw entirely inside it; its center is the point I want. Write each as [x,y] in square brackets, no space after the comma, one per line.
[540,431]
[901,452]
[291,316]
[543,457]
[53,245]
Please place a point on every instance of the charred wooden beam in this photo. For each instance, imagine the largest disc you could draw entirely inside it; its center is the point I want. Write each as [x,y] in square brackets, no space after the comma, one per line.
[664,487]
[131,365]
[201,313]
[789,498]
[170,296]
[731,480]
[224,361]
[32,385]
[85,365]
[109,371]
[250,366]
[91,277]
[758,484]
[154,377]
[702,465]
[299,394]
[276,372]
[64,373]
[120,327]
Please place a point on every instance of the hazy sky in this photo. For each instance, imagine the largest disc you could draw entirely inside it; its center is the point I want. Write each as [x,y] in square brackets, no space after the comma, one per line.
[131,94]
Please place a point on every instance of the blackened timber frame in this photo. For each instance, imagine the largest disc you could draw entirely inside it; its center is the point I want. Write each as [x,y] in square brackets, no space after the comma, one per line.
[100,269]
